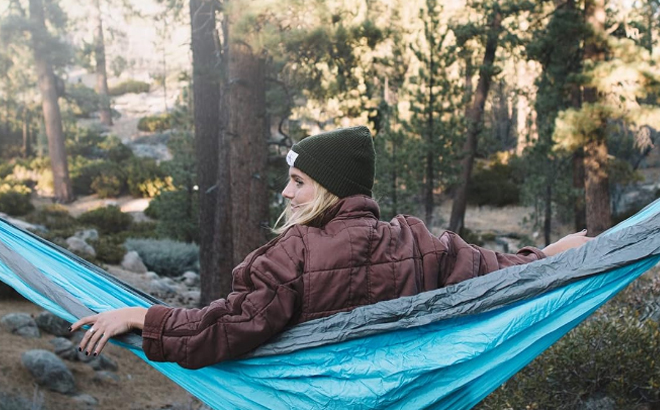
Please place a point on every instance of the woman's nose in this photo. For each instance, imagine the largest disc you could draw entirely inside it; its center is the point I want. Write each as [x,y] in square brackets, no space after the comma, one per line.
[287,192]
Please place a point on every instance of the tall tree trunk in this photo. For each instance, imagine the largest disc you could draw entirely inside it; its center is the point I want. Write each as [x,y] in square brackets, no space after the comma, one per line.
[430,152]
[215,254]
[474,119]
[597,191]
[27,148]
[101,73]
[51,108]
[249,149]
[579,210]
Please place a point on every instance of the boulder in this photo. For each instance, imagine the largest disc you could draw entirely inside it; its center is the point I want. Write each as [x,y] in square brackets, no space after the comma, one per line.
[65,348]
[77,245]
[87,235]
[190,298]
[50,323]
[151,275]
[190,279]
[20,324]
[132,262]
[49,370]
[161,288]
[103,362]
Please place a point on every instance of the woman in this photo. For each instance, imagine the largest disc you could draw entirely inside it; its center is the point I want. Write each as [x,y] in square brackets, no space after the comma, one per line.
[332,255]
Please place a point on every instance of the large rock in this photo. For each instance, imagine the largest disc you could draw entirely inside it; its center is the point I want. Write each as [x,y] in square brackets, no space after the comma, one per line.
[161,288]
[50,323]
[49,370]
[103,362]
[87,235]
[77,245]
[133,263]
[20,324]
[65,348]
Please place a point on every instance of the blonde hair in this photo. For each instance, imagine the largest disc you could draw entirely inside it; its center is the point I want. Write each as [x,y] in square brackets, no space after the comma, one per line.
[323,200]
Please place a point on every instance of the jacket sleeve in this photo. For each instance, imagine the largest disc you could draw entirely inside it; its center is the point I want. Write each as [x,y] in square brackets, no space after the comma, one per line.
[463,261]
[263,301]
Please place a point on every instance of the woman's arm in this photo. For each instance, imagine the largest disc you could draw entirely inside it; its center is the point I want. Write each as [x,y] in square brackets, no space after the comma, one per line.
[106,325]
[573,240]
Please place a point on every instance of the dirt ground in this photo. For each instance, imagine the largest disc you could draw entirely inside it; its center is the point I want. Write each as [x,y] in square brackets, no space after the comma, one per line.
[140,386]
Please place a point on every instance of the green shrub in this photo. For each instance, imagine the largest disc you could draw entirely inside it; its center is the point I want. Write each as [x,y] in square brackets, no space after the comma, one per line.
[53,217]
[129,86]
[106,178]
[115,150]
[15,200]
[84,100]
[165,256]
[156,123]
[108,220]
[146,179]
[6,168]
[85,142]
[496,186]
[107,186]
[109,249]
[177,214]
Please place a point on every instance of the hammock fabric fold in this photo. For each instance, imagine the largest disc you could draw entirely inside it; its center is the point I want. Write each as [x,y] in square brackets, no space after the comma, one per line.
[444,349]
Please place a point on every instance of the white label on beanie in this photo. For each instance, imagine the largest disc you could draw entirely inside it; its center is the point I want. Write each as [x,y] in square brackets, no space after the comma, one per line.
[291,157]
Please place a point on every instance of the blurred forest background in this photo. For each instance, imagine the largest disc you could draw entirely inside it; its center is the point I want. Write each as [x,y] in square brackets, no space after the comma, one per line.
[192,105]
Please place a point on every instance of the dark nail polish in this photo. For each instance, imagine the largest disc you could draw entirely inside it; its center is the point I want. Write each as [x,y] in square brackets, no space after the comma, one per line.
[95,353]
[69,328]
[80,349]
[86,353]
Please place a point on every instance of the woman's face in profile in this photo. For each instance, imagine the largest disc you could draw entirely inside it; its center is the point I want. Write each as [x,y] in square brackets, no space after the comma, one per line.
[300,189]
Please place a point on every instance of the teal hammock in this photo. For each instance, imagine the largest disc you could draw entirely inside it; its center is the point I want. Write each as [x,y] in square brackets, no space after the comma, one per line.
[444,349]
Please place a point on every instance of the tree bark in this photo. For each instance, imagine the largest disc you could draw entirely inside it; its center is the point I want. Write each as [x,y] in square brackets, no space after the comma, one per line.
[51,108]
[597,190]
[247,132]
[430,152]
[27,148]
[101,72]
[215,254]
[474,118]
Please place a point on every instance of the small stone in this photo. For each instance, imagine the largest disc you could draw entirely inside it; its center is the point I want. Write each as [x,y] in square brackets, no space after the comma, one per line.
[20,324]
[85,358]
[190,279]
[105,376]
[160,288]
[85,399]
[103,362]
[48,370]
[151,275]
[52,324]
[65,348]
[132,262]
[77,245]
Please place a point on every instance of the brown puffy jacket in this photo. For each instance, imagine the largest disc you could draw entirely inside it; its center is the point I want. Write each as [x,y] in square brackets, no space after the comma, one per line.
[348,260]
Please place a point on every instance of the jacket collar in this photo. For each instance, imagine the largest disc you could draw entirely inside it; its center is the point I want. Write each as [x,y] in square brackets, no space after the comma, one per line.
[355,206]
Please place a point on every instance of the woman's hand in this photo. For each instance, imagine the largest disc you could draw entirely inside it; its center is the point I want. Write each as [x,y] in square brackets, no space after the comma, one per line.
[106,325]
[573,240]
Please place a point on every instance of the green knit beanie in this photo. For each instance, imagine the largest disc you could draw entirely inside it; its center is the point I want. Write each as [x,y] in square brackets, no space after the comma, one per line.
[342,161]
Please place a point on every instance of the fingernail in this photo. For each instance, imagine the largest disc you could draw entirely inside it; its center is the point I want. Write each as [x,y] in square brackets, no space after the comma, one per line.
[69,328]
[95,353]
[80,349]
[86,353]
